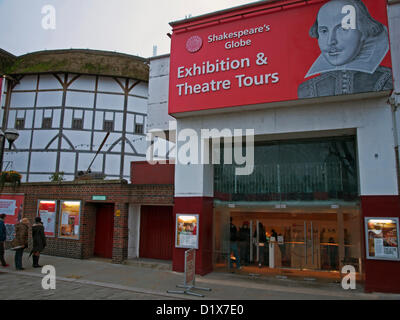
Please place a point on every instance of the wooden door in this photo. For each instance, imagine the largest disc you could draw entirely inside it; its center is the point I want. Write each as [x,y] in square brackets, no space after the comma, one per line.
[156,232]
[104,231]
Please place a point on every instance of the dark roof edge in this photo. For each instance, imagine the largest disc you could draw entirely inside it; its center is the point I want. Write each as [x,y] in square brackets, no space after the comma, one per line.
[90,51]
[4,52]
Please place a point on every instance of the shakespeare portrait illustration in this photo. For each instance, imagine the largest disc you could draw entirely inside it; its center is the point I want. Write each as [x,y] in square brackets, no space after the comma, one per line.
[350,57]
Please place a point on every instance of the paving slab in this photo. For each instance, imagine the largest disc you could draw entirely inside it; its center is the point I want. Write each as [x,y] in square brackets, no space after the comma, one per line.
[81,276]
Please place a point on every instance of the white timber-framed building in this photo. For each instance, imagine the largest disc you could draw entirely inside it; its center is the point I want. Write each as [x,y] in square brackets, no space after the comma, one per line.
[63,103]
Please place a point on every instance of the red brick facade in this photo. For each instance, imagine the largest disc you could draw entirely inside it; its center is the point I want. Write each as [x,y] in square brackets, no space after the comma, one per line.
[118,192]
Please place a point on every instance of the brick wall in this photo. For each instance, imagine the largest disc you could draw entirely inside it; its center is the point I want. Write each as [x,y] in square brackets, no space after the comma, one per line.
[118,192]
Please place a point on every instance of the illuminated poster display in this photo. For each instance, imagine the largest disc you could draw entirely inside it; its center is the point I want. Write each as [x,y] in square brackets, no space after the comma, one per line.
[186,233]
[12,206]
[382,238]
[69,219]
[47,212]
[279,51]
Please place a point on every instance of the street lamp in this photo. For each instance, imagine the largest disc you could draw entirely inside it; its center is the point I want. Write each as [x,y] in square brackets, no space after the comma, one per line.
[11,135]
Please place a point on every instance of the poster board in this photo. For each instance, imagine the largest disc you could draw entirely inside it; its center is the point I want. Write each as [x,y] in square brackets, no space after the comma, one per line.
[47,212]
[382,238]
[69,219]
[187,231]
[12,206]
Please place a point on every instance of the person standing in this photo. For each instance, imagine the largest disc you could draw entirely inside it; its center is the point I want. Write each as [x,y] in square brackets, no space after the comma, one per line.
[3,237]
[20,241]
[39,241]
[244,244]
[234,245]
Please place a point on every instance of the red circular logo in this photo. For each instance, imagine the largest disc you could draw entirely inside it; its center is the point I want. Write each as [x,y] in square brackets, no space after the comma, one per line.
[194,44]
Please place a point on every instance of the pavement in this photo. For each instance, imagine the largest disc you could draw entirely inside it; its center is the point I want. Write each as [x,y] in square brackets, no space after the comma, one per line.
[99,279]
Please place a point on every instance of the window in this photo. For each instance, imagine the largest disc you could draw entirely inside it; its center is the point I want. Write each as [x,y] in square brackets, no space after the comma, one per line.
[139,128]
[47,122]
[20,124]
[108,125]
[77,124]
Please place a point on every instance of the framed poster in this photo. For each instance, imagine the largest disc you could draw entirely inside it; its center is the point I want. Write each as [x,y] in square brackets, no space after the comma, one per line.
[382,238]
[186,231]
[47,211]
[69,219]
[12,206]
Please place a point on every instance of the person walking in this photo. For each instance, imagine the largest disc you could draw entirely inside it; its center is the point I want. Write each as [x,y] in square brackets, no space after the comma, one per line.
[3,237]
[20,241]
[39,241]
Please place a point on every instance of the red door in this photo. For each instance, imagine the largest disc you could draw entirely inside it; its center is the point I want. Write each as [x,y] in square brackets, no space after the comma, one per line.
[156,232]
[104,231]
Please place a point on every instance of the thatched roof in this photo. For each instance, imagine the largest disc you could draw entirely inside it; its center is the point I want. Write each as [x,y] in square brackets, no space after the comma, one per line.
[6,60]
[82,61]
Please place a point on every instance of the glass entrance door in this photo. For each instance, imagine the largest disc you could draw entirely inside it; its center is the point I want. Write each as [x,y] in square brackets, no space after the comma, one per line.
[309,239]
[311,245]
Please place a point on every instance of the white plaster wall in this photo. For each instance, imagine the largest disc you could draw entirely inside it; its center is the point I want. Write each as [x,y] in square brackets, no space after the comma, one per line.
[42,137]
[83,82]
[43,161]
[158,116]
[48,81]
[86,158]
[67,162]
[79,99]
[133,231]
[110,85]
[49,99]
[371,118]
[80,140]
[137,104]
[26,83]
[22,99]
[110,101]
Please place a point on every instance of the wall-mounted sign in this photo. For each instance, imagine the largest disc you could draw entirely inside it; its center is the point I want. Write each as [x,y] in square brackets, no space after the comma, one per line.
[382,238]
[69,219]
[279,51]
[99,198]
[187,231]
[12,206]
[47,212]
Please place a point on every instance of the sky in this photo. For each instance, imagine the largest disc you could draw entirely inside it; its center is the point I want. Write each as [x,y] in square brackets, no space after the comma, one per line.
[127,26]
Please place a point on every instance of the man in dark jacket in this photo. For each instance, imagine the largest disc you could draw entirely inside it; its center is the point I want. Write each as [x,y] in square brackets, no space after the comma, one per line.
[3,237]
[39,241]
[20,242]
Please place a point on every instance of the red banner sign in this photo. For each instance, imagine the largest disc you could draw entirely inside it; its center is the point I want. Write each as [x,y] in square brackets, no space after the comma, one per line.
[274,52]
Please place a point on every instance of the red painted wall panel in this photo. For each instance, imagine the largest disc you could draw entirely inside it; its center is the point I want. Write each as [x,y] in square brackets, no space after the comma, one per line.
[143,172]
[156,232]
[204,207]
[381,276]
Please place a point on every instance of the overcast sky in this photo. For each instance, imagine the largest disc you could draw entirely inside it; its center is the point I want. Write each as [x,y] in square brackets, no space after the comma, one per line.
[128,26]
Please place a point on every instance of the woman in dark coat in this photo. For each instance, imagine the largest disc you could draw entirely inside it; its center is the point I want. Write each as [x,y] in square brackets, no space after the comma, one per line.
[39,241]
